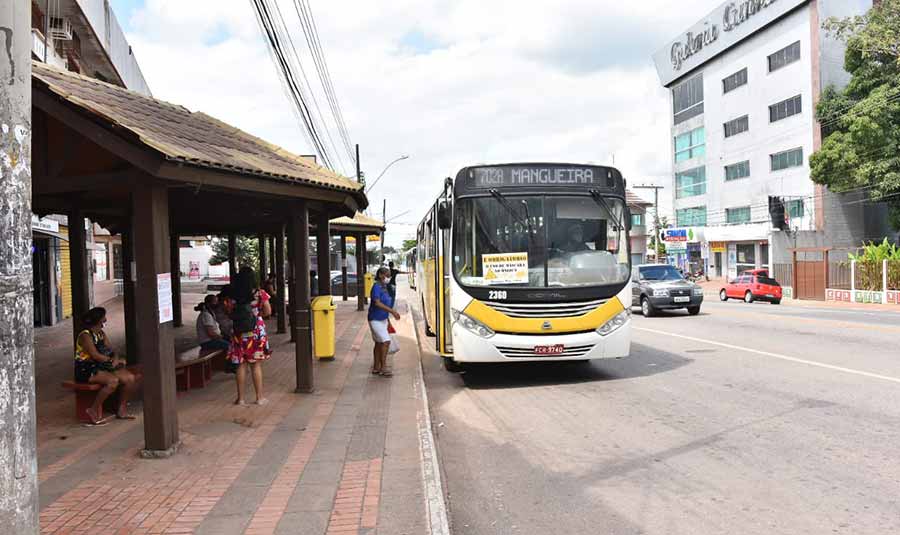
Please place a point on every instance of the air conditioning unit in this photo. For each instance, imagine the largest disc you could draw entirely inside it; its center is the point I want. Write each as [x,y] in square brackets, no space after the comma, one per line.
[60,29]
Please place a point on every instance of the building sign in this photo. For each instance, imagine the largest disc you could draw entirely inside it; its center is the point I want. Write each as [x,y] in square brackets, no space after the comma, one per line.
[675,235]
[726,26]
[48,225]
[676,247]
[164,297]
[717,246]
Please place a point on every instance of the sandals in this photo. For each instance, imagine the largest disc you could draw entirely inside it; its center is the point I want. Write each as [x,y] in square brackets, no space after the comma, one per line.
[386,373]
[96,420]
[125,416]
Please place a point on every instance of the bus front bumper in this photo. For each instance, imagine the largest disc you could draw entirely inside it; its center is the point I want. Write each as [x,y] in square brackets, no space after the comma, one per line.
[469,347]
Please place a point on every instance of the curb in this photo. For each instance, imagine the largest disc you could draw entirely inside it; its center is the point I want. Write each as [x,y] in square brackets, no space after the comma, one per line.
[438,520]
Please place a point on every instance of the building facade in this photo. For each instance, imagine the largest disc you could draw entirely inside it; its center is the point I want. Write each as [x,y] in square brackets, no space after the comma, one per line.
[743,85]
[81,36]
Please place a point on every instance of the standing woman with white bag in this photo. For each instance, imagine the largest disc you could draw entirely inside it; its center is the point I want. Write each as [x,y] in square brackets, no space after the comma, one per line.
[380,311]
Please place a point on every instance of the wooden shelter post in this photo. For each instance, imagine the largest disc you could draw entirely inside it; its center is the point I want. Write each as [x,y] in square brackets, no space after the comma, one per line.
[175,270]
[360,271]
[131,347]
[263,257]
[344,283]
[299,232]
[155,337]
[271,246]
[78,266]
[280,294]
[323,253]
[232,256]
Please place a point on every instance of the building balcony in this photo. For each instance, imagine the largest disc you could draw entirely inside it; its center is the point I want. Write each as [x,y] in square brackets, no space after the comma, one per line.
[39,49]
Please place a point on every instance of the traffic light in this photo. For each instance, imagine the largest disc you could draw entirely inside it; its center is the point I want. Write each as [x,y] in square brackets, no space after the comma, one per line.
[776,213]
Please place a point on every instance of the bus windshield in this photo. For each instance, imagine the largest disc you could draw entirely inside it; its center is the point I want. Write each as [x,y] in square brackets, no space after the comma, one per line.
[540,241]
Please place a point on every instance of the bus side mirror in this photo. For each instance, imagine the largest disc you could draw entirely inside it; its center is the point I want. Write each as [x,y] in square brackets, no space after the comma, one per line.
[628,218]
[444,215]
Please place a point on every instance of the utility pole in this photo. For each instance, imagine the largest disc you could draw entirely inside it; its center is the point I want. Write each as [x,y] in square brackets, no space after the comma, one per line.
[383,232]
[18,471]
[358,171]
[655,214]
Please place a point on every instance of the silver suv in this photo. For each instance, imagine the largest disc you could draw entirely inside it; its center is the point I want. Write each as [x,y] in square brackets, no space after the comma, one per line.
[657,287]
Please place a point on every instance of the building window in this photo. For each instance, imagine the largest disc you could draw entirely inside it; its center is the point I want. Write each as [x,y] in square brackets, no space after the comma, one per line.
[785,56]
[736,80]
[784,109]
[690,183]
[736,126]
[746,256]
[737,170]
[689,217]
[687,99]
[637,220]
[690,145]
[794,209]
[788,158]
[737,215]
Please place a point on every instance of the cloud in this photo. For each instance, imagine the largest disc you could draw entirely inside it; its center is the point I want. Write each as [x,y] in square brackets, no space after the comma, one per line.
[451,83]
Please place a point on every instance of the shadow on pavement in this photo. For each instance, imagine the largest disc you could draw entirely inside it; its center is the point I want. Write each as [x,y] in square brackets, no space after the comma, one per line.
[644,361]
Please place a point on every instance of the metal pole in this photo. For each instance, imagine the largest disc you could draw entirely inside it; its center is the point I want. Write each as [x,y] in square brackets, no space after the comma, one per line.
[18,472]
[358,171]
[655,214]
[383,219]
[345,284]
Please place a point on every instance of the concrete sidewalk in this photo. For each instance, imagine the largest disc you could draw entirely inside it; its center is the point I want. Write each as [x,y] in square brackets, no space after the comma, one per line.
[345,459]
[711,291]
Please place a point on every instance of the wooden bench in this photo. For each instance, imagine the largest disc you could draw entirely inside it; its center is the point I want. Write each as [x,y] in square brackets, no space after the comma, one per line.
[194,367]
[86,393]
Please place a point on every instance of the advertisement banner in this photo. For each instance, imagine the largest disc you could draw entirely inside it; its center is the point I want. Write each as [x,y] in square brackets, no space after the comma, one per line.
[509,268]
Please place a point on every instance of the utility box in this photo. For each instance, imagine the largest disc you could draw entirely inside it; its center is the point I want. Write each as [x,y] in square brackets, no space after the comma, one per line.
[323,326]
[370,282]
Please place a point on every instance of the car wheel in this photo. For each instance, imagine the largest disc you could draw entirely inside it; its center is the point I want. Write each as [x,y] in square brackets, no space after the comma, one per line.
[723,295]
[647,309]
[452,365]
[693,311]
[748,297]
[776,301]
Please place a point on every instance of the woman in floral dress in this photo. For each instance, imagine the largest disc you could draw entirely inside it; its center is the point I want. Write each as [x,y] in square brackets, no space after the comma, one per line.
[249,305]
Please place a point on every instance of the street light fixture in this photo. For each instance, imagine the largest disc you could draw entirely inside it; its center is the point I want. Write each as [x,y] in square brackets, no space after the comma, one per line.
[388,166]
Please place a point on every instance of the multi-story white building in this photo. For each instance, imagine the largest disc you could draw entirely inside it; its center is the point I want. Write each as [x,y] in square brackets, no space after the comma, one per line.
[743,85]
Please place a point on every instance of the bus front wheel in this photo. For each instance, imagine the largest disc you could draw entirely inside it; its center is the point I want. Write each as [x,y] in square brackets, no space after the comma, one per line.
[452,365]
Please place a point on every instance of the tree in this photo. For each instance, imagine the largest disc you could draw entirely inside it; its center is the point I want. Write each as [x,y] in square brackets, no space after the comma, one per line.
[246,252]
[409,244]
[861,123]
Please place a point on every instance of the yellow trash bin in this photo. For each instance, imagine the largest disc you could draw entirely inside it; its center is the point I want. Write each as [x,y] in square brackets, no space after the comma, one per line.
[370,281]
[323,326]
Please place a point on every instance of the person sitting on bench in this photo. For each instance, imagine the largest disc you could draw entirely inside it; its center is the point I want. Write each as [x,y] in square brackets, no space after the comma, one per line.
[209,334]
[97,363]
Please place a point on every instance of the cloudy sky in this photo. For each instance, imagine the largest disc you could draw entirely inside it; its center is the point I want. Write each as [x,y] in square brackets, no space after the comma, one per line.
[448,82]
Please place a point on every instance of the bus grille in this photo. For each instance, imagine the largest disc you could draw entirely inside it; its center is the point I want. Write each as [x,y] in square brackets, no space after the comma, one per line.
[528,352]
[546,310]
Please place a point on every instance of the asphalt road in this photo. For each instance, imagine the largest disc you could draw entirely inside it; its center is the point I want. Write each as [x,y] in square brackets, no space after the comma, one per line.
[744,419]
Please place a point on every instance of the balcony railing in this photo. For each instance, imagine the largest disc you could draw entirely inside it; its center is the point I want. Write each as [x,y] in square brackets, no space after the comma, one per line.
[40,50]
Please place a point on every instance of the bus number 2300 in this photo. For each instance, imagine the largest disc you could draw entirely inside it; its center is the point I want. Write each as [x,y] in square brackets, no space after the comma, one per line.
[497,294]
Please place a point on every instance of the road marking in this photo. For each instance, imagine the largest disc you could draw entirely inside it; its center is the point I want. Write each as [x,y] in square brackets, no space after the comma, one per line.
[775,355]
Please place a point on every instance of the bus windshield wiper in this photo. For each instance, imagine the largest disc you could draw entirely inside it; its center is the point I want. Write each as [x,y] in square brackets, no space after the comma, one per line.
[601,201]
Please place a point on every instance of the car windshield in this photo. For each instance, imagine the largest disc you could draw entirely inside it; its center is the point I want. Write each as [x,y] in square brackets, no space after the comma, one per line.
[659,273]
[540,241]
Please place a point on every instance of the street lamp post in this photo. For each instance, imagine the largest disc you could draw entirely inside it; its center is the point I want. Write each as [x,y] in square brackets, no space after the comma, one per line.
[388,166]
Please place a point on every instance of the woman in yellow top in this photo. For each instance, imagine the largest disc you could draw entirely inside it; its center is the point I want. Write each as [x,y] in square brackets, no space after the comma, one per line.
[96,362]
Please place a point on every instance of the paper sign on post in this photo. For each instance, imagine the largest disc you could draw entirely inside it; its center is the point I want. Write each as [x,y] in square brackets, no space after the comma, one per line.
[164,296]
[509,268]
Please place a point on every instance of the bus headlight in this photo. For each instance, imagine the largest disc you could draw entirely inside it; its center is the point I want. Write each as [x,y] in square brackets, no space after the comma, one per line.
[615,322]
[472,325]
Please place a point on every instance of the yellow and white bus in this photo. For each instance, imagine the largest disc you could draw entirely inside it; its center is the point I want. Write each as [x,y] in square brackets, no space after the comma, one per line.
[527,262]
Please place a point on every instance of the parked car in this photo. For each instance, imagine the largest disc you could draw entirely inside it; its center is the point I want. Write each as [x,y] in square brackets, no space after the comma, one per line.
[337,282]
[753,285]
[661,287]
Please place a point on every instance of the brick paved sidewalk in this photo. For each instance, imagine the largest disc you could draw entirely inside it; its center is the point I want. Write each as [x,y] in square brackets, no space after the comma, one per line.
[345,459]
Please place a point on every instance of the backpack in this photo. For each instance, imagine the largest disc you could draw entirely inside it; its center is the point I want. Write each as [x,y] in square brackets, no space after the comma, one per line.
[242,318]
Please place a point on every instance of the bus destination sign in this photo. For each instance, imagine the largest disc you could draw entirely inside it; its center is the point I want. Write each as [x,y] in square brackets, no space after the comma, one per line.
[512,176]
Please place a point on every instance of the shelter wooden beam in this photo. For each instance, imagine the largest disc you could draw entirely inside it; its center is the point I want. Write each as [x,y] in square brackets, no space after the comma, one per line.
[299,230]
[55,185]
[131,346]
[360,271]
[280,293]
[175,270]
[232,256]
[344,283]
[263,257]
[323,254]
[78,266]
[155,338]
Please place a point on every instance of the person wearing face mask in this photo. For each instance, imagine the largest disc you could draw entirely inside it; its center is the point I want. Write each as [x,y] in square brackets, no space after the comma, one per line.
[97,363]
[380,310]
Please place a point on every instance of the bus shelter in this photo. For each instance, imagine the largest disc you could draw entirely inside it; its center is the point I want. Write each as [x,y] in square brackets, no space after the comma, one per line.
[153,171]
[357,227]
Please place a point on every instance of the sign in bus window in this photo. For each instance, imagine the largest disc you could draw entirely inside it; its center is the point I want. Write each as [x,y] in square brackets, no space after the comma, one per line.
[509,268]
